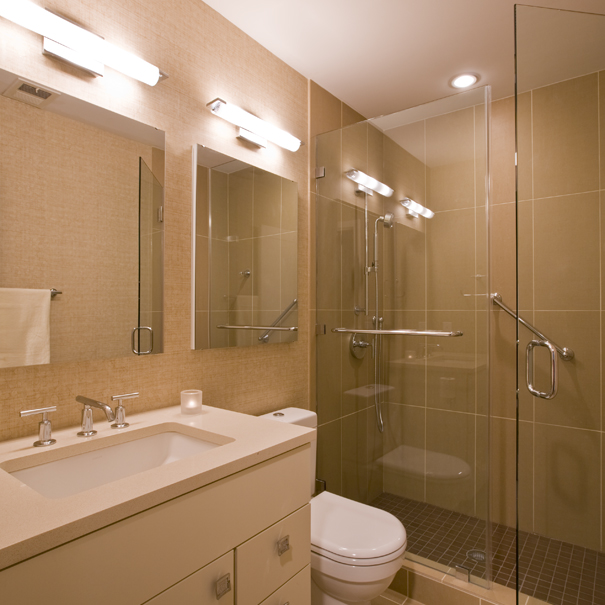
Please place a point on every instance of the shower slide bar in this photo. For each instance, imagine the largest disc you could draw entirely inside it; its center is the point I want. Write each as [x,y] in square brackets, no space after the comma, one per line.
[397,332]
[564,353]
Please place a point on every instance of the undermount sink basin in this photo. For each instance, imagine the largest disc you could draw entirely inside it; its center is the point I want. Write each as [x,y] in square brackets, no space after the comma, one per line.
[84,471]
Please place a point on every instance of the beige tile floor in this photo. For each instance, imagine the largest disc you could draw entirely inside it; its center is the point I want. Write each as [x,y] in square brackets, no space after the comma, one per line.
[390,597]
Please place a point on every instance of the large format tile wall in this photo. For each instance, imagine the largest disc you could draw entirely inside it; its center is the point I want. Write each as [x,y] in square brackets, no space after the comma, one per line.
[424,278]
[561,231]
[206,57]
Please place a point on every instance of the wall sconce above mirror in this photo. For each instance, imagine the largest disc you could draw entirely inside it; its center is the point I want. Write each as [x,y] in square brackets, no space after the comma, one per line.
[80,213]
[245,253]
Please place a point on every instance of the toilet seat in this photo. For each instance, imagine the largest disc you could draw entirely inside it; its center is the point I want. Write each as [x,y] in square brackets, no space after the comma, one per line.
[351,533]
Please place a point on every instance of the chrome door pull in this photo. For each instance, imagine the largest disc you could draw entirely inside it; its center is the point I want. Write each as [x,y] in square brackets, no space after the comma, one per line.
[554,369]
[134,331]
[283,545]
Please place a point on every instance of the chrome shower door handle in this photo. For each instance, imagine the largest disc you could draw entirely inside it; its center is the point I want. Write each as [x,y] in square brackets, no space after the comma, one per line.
[134,331]
[554,369]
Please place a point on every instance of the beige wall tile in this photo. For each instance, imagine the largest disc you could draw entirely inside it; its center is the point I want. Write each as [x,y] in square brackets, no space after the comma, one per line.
[267,203]
[202,302]
[355,156]
[602,125]
[450,161]
[219,193]
[329,155]
[265,272]
[325,110]
[567,276]
[565,137]
[241,203]
[452,365]
[329,460]
[404,426]
[503,151]
[355,456]
[329,351]
[289,205]
[453,434]
[350,116]
[525,157]
[567,488]
[289,258]
[577,403]
[202,201]
[375,449]
[451,260]
[328,223]
[219,275]
[503,464]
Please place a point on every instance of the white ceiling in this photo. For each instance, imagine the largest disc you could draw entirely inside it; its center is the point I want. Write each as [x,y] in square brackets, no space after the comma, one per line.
[381,56]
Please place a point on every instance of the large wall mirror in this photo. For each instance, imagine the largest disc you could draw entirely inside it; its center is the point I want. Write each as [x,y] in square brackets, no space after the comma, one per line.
[245,253]
[81,229]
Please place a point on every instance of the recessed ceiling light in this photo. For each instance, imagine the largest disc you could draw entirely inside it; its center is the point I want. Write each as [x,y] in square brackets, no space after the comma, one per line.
[464,80]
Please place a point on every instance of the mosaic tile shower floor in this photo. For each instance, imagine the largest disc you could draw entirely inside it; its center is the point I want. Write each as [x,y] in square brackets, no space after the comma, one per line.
[551,570]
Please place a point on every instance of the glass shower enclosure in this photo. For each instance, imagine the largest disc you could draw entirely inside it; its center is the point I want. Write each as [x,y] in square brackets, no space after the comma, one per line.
[560,132]
[403,308]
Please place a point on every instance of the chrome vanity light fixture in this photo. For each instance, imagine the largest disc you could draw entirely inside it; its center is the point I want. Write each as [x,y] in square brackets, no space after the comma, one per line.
[414,208]
[369,182]
[253,129]
[72,43]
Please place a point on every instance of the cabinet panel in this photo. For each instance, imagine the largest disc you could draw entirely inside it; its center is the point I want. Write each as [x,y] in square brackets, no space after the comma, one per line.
[261,568]
[148,552]
[200,588]
[296,591]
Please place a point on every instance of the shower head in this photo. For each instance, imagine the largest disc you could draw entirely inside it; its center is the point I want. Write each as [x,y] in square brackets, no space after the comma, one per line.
[388,219]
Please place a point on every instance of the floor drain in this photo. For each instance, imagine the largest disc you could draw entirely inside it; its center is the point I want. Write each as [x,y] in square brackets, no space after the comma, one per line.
[476,555]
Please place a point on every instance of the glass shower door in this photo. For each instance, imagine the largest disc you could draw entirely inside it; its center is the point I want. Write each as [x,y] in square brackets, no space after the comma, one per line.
[403,417]
[560,132]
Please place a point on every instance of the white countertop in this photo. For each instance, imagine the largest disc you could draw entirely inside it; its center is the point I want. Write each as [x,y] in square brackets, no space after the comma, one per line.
[31,524]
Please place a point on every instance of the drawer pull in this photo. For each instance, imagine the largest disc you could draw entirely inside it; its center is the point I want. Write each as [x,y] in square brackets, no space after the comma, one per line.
[283,545]
[223,585]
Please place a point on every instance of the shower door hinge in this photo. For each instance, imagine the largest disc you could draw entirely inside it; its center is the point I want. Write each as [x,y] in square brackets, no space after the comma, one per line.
[320,172]
[161,214]
[320,329]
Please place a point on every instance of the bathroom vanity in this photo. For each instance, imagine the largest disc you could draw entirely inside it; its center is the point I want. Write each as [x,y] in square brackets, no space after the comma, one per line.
[227,525]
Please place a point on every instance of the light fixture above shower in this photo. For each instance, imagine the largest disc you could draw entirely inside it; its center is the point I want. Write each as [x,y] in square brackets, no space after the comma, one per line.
[464,80]
[414,208]
[370,182]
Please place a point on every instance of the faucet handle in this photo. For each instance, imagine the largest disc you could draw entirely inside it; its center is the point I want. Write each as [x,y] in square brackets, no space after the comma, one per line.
[120,422]
[44,426]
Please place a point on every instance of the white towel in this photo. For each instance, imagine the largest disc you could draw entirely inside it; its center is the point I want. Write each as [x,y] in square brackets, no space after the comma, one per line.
[24,327]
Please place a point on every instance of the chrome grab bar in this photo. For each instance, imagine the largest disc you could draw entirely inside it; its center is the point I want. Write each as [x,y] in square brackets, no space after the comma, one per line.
[565,353]
[265,337]
[554,369]
[282,329]
[397,332]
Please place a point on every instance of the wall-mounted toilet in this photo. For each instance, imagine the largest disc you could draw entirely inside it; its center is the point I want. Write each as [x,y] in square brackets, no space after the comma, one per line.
[356,549]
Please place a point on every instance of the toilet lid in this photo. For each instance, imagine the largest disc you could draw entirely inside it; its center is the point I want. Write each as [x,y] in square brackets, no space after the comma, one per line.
[353,530]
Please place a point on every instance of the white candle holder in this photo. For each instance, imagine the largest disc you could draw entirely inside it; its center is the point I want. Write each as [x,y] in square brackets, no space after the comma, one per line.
[191,402]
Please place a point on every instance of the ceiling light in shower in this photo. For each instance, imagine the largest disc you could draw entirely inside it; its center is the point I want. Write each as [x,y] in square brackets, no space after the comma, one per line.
[464,80]
[371,183]
[238,116]
[415,209]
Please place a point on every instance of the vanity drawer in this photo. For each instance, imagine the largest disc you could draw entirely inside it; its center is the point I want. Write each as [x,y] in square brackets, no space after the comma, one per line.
[203,587]
[296,591]
[261,569]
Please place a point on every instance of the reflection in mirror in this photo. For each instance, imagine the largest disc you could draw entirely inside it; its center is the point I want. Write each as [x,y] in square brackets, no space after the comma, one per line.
[245,253]
[81,201]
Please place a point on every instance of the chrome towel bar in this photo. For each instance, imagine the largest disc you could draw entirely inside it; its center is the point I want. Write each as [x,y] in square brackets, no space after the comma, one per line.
[279,328]
[564,353]
[397,332]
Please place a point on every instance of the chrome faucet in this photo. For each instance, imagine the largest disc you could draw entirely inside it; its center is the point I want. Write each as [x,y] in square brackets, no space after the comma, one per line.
[87,423]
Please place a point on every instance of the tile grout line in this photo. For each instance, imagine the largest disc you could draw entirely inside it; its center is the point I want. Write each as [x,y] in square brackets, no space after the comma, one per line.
[600,296]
